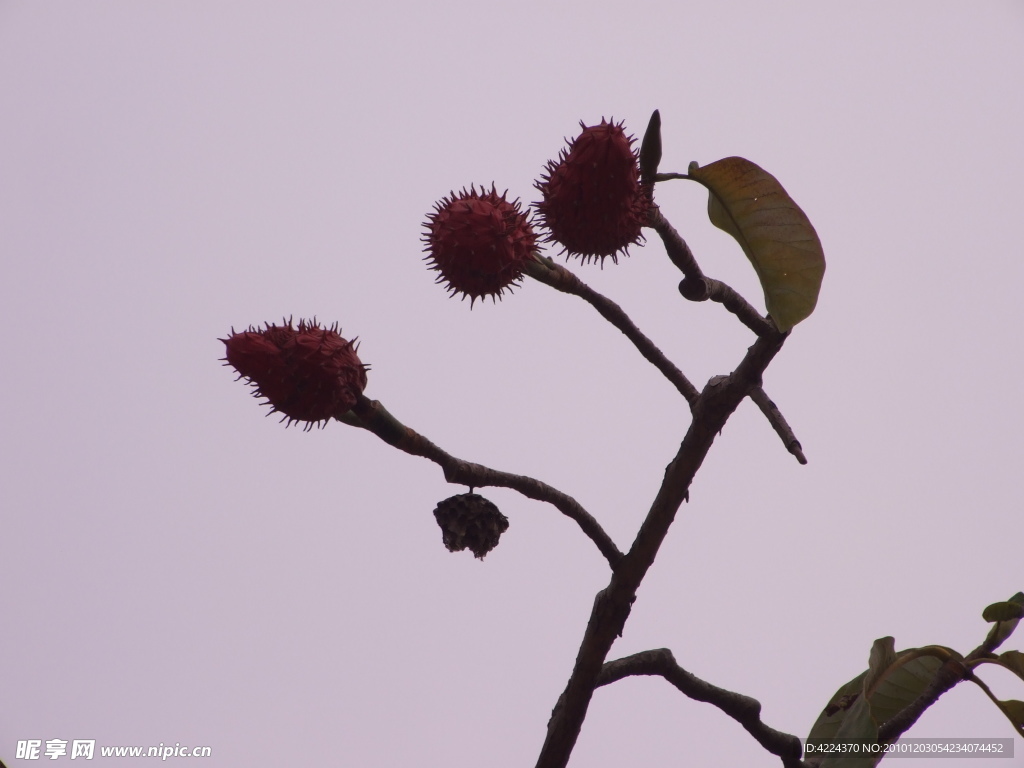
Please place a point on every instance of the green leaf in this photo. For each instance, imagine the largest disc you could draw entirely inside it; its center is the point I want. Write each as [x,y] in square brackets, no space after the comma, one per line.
[903,683]
[1002,629]
[1014,711]
[1003,611]
[1013,661]
[831,718]
[749,203]
[882,656]
[893,681]
[858,726]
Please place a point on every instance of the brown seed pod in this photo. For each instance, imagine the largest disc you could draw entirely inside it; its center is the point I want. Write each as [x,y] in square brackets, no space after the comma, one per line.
[469,521]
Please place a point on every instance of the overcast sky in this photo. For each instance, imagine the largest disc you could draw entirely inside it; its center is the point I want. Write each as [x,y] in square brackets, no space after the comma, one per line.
[177,568]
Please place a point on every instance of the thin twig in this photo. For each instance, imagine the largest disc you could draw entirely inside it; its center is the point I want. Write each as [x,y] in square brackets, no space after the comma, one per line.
[372,416]
[778,421]
[743,709]
[548,272]
[720,292]
[678,251]
[696,286]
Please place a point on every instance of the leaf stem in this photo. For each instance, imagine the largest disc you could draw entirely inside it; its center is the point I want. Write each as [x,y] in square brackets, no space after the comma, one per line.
[670,176]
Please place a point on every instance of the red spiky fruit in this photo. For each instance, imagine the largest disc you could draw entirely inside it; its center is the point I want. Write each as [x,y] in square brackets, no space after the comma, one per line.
[478,242]
[593,204]
[307,373]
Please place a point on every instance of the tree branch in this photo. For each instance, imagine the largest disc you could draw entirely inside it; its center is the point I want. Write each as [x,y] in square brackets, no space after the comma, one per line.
[678,251]
[778,422]
[374,417]
[548,272]
[698,287]
[719,292]
[743,709]
[612,604]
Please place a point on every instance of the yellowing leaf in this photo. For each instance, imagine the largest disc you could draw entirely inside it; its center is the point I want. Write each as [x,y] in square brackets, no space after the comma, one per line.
[749,203]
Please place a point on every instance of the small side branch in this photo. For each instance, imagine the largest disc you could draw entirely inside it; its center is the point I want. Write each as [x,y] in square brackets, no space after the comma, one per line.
[721,293]
[778,422]
[696,286]
[678,251]
[548,272]
[743,709]
[374,417]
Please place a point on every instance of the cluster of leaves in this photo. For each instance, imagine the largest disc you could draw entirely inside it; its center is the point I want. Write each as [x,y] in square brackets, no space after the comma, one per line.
[886,699]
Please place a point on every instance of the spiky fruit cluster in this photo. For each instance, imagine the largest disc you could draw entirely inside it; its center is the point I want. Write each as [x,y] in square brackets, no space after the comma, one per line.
[469,521]
[478,242]
[308,373]
[593,204]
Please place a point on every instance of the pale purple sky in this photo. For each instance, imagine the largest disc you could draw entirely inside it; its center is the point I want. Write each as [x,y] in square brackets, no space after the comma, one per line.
[178,568]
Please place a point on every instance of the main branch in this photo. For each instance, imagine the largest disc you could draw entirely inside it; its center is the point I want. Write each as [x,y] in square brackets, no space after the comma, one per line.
[612,604]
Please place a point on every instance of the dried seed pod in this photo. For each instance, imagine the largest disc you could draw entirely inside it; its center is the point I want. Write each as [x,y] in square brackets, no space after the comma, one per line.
[469,521]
